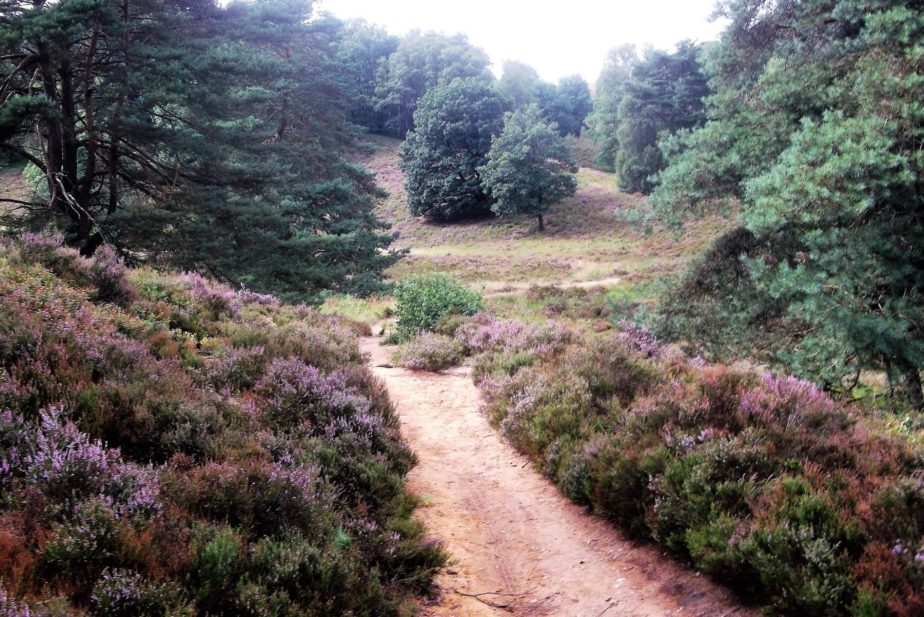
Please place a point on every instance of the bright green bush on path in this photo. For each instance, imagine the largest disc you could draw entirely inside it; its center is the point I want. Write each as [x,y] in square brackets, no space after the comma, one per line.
[422,301]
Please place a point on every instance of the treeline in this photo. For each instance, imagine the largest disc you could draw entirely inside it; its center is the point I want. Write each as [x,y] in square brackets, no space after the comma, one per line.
[211,138]
[805,122]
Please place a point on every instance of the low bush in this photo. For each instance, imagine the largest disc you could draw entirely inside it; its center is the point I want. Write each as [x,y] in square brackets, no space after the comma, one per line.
[172,446]
[762,481]
[422,301]
[429,352]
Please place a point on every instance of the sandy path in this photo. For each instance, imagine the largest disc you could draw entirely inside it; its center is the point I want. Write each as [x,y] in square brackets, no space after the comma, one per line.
[510,531]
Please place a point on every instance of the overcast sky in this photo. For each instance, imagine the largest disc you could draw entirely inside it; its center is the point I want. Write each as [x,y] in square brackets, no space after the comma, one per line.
[556,38]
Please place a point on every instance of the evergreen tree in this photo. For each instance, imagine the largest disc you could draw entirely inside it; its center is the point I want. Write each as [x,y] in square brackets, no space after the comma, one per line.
[603,121]
[817,127]
[442,155]
[663,94]
[518,82]
[421,62]
[528,167]
[362,49]
[193,136]
[565,105]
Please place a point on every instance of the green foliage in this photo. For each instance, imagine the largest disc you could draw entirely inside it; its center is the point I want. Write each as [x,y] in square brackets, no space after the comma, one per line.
[421,62]
[816,126]
[566,105]
[609,90]
[361,49]
[664,94]
[518,83]
[196,137]
[442,156]
[423,301]
[528,167]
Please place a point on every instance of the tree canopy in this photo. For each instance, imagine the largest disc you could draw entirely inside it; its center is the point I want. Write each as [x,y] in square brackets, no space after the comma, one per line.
[441,157]
[816,126]
[518,82]
[423,61]
[663,94]
[528,167]
[192,136]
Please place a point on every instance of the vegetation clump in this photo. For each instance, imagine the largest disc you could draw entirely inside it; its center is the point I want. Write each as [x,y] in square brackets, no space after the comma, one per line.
[180,447]
[763,481]
[429,351]
[423,301]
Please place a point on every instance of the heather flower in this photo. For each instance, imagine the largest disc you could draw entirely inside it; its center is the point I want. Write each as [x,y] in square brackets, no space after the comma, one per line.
[484,333]
[252,297]
[429,352]
[119,592]
[216,298]
[297,391]
[9,607]
[785,400]
[235,369]
[108,273]
[639,339]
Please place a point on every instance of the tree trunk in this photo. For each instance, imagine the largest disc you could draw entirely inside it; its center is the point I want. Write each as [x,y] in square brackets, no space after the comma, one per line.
[541,222]
[912,387]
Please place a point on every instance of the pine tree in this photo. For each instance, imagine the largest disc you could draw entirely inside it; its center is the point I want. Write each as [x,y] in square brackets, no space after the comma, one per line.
[194,137]
[817,126]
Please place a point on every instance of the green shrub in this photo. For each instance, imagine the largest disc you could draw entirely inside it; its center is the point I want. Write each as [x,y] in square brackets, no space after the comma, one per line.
[422,301]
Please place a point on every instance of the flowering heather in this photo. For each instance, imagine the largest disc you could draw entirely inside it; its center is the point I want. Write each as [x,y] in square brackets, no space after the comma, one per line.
[639,339]
[763,481]
[429,352]
[9,607]
[485,333]
[215,298]
[295,392]
[164,437]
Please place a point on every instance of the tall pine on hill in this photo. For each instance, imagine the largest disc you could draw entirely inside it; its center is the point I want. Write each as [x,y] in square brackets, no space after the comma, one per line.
[192,136]
[817,126]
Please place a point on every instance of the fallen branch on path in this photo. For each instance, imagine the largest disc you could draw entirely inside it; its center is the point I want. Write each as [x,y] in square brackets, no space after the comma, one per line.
[478,596]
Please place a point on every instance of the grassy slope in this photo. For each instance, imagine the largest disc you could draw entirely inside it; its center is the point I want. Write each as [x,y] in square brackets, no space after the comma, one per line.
[585,242]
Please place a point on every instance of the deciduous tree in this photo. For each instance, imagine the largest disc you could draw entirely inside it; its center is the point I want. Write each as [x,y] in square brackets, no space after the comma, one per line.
[442,155]
[528,167]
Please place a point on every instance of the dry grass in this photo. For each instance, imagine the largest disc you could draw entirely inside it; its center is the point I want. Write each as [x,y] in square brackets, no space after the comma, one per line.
[586,242]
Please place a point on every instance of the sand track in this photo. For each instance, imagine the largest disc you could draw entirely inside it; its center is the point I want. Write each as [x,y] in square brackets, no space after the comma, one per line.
[516,543]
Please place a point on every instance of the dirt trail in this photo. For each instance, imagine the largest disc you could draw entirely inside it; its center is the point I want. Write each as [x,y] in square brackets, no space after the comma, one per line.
[513,537]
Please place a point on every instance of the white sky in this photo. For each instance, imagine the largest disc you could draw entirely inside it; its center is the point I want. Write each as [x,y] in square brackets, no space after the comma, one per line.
[556,38]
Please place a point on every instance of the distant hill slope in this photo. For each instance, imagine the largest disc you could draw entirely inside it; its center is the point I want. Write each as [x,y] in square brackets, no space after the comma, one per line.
[171,446]
[585,242]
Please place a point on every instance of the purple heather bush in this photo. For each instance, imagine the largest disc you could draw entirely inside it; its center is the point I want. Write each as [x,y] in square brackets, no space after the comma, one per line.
[765,482]
[169,445]
[429,351]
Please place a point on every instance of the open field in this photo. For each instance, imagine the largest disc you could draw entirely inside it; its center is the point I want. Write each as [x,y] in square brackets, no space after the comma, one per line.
[586,243]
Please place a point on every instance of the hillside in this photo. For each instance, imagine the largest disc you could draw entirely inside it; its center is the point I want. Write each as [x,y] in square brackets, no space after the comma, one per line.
[585,242]
[171,446]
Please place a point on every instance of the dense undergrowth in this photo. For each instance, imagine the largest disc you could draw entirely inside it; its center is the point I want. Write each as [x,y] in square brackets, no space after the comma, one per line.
[172,446]
[800,503]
